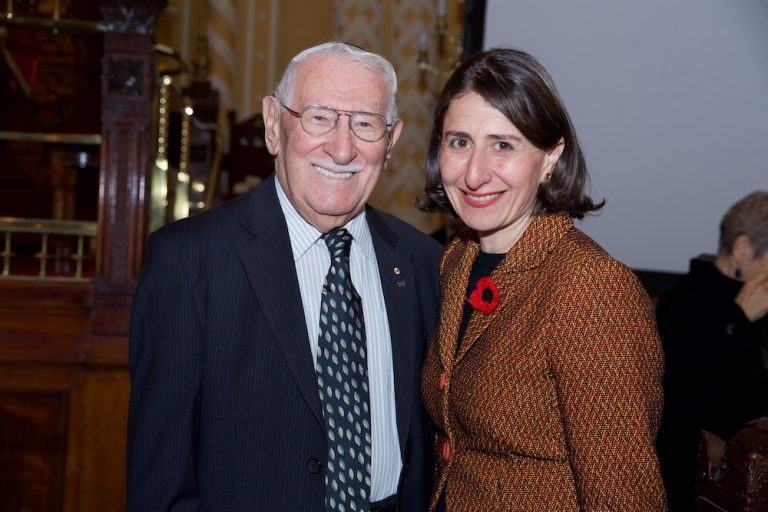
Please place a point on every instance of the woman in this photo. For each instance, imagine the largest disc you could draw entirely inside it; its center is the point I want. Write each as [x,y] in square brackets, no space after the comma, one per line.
[544,379]
[714,328]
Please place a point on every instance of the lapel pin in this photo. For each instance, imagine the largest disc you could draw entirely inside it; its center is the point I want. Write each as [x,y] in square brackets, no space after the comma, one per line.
[397,271]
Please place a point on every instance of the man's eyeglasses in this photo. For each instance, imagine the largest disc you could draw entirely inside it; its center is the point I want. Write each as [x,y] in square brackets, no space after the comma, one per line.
[319,120]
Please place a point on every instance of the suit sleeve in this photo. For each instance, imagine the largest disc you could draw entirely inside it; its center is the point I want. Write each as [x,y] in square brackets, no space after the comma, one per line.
[165,376]
[608,364]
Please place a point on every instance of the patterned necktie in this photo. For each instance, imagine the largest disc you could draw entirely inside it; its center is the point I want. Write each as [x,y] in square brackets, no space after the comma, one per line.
[342,378]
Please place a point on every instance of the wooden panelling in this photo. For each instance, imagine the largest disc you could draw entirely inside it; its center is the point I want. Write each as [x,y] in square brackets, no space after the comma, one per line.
[62,432]
[64,346]
[104,412]
[33,447]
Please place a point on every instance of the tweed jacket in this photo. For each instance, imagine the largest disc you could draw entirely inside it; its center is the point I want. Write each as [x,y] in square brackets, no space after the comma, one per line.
[552,401]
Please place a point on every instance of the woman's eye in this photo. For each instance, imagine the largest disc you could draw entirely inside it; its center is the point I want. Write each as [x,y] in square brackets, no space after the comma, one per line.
[503,146]
[458,143]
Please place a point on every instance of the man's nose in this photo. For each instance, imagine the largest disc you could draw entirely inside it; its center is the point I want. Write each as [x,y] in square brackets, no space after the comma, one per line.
[341,144]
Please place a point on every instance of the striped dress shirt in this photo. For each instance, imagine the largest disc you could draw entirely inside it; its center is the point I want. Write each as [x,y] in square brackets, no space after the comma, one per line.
[312,260]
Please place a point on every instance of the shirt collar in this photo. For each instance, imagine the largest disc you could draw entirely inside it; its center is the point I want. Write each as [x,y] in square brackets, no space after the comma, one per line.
[303,235]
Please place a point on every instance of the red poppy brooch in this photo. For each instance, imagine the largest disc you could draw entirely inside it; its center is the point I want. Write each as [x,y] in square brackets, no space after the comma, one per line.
[485,296]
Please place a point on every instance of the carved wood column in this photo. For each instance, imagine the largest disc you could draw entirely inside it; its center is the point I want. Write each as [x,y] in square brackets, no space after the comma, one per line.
[127,142]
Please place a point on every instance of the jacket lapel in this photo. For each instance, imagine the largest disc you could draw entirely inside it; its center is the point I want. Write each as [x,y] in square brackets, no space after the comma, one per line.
[526,255]
[454,284]
[399,288]
[268,263]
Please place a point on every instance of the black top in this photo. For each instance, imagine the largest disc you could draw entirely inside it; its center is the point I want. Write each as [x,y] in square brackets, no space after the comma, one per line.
[484,264]
[715,379]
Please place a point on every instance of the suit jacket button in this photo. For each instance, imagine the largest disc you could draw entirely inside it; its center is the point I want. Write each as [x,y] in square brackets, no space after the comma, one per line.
[313,466]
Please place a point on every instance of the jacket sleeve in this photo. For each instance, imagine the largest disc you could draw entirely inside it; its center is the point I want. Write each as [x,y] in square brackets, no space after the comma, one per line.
[608,364]
[165,376]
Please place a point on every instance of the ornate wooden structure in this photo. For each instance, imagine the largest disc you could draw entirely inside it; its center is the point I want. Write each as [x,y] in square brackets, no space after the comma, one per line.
[63,344]
[733,475]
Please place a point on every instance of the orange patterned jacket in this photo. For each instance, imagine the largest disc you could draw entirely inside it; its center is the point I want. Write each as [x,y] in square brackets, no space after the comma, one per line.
[552,401]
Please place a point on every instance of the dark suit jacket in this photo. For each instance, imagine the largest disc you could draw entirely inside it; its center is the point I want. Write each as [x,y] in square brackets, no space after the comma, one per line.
[224,408]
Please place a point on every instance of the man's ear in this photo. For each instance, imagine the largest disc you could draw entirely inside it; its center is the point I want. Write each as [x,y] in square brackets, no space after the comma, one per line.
[394,134]
[743,249]
[270,110]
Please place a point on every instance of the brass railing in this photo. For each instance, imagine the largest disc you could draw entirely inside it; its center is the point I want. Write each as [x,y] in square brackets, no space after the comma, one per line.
[46,249]
[53,22]
[84,139]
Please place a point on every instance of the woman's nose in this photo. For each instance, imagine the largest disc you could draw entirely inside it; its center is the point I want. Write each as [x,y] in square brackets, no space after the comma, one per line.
[477,171]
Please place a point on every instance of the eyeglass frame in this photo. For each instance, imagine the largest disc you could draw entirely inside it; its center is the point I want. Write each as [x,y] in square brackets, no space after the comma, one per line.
[339,113]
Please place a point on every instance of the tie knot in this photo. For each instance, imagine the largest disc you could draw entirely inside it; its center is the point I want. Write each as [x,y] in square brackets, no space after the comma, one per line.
[338,241]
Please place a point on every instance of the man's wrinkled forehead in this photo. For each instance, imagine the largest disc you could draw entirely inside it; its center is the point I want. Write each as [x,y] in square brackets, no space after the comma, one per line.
[316,79]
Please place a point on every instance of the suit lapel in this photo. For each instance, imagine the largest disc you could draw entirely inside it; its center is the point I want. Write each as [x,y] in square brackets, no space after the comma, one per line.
[268,263]
[399,287]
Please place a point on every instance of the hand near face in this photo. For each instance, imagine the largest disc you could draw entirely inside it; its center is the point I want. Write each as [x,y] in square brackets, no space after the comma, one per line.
[753,297]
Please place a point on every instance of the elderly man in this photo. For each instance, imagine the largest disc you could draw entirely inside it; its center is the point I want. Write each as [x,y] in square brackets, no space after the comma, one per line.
[277,340]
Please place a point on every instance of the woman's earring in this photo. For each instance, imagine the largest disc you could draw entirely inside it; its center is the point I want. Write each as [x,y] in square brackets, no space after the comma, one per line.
[547,177]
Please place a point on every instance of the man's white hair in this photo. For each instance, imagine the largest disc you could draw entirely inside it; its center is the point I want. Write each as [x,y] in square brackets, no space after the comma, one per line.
[370,60]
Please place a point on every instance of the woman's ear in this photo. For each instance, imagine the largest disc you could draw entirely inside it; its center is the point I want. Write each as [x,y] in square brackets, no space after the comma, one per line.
[551,157]
[270,110]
